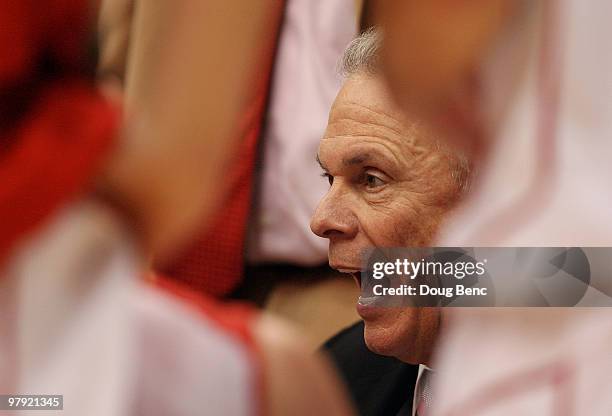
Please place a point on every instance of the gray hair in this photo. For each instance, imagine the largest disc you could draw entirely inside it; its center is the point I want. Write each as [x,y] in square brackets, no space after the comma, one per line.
[362,54]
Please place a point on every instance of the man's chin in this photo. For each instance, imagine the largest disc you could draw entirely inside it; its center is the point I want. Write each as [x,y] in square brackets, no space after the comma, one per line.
[390,342]
[379,340]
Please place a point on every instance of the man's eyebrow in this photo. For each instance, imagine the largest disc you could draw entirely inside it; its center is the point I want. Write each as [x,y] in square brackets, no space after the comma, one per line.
[321,163]
[356,160]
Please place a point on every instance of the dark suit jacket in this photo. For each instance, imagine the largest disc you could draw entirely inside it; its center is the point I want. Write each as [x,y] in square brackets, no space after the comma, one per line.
[379,386]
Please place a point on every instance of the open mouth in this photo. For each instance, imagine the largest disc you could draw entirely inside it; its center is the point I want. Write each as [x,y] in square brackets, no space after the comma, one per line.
[366,304]
[355,274]
[357,277]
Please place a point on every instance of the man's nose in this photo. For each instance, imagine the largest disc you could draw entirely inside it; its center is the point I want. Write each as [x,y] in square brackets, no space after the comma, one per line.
[333,218]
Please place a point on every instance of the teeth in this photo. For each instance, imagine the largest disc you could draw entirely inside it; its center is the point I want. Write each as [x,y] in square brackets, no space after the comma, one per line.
[366,301]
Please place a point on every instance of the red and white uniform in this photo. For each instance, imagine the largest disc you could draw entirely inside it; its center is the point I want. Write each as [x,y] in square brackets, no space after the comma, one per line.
[549,86]
[77,318]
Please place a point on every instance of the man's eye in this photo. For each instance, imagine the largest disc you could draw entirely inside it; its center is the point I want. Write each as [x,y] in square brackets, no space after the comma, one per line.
[373,181]
[329,177]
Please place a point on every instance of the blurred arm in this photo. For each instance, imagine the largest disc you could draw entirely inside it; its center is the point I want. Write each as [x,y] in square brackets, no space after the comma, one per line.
[430,45]
[114,26]
[297,381]
[189,66]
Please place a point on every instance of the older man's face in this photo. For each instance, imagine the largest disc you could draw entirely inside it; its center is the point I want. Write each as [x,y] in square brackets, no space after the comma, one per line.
[390,186]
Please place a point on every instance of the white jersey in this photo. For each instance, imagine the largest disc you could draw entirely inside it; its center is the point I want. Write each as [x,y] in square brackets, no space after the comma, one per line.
[76,320]
[304,84]
[549,101]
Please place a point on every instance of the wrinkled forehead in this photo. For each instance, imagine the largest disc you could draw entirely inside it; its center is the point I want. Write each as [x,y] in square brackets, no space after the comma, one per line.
[365,99]
[364,105]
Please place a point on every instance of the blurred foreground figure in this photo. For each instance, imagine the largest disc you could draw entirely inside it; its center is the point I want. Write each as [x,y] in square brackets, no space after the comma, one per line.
[528,87]
[80,209]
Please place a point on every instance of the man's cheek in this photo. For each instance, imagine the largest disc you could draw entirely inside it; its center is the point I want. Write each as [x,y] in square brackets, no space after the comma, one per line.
[416,221]
[385,225]
[380,232]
